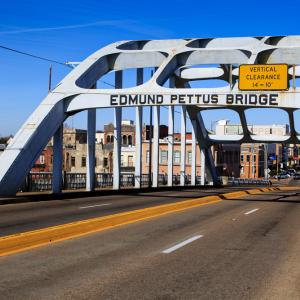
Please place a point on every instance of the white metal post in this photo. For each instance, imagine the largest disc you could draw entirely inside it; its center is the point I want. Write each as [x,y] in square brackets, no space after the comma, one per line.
[183,145]
[117,136]
[194,149]
[170,145]
[171,137]
[91,136]
[138,135]
[202,167]
[57,160]
[155,159]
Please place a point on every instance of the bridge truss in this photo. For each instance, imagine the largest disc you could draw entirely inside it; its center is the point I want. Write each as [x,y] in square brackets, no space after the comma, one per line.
[178,62]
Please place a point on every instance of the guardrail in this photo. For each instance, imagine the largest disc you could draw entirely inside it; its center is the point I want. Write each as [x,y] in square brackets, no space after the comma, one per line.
[42,181]
[248,181]
[38,182]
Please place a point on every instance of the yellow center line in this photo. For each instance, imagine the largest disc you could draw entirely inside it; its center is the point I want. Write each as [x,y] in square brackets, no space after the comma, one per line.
[28,240]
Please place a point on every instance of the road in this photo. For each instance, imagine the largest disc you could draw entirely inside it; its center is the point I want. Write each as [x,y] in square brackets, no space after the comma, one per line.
[234,249]
[16,218]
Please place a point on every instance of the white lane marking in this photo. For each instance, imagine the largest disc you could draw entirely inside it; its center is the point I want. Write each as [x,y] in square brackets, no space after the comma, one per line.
[190,240]
[251,211]
[90,206]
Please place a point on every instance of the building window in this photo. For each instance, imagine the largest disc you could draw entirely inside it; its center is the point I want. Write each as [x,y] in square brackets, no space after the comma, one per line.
[163,156]
[83,161]
[42,159]
[130,140]
[176,157]
[189,157]
[124,140]
[122,160]
[254,158]
[147,157]
[105,162]
[248,158]
[72,161]
[130,161]
[270,130]
[242,158]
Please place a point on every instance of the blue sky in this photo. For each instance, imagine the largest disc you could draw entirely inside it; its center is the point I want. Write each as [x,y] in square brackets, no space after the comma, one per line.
[71,30]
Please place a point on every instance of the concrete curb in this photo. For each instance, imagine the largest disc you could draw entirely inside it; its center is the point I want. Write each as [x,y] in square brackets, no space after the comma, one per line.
[32,239]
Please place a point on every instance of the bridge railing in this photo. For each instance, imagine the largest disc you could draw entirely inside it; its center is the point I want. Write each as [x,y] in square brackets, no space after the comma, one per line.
[38,182]
[248,181]
[42,181]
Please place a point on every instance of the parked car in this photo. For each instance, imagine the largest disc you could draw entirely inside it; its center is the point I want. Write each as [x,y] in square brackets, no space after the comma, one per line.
[291,171]
[296,176]
[284,176]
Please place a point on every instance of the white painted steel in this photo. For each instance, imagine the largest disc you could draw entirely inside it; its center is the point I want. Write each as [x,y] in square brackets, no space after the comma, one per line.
[155,157]
[57,160]
[91,157]
[183,145]
[180,58]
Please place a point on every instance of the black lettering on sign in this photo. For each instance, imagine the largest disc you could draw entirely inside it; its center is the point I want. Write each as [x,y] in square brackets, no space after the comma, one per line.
[189,98]
[122,99]
[159,99]
[181,99]
[273,99]
[133,99]
[214,99]
[253,99]
[151,99]
[113,100]
[263,99]
[229,99]
[239,98]
[198,98]
[173,98]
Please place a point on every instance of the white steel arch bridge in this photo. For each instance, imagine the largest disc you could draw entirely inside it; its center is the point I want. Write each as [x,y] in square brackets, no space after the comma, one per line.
[177,61]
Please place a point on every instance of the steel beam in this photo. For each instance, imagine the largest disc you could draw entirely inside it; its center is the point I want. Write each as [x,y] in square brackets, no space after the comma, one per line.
[117,136]
[194,153]
[171,136]
[170,145]
[202,166]
[138,135]
[91,158]
[183,145]
[57,160]
[155,160]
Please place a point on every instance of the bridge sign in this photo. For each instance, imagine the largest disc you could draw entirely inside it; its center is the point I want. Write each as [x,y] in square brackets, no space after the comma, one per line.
[263,77]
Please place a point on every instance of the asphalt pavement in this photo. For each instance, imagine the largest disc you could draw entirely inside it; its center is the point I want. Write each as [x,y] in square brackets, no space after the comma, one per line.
[234,249]
[21,217]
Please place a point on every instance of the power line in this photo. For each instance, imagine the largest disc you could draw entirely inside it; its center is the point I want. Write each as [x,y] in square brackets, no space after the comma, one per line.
[46,59]
[59,63]
[34,56]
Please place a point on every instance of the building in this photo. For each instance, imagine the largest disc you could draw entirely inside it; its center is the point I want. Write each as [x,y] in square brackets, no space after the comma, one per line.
[226,157]
[223,127]
[163,156]
[45,161]
[255,157]
[127,132]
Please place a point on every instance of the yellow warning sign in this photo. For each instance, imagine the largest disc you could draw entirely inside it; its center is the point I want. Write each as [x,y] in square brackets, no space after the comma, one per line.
[263,77]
